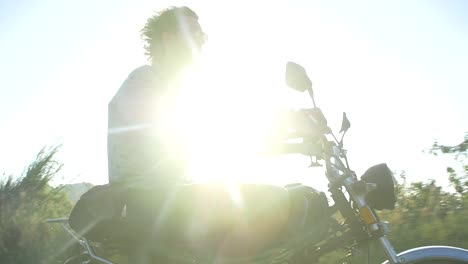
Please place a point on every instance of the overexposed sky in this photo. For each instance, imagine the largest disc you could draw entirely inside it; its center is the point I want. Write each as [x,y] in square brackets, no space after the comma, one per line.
[398,68]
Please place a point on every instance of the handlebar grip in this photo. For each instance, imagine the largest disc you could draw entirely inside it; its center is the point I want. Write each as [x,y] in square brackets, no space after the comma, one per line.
[308,122]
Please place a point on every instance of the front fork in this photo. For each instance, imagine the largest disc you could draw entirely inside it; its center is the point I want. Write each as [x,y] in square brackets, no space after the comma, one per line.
[357,192]
[377,229]
[389,250]
[373,225]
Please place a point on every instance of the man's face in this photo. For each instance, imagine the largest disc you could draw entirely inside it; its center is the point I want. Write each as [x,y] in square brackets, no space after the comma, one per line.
[186,44]
[192,32]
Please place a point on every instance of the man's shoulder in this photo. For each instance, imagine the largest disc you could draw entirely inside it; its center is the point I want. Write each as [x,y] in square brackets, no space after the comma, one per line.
[142,72]
[140,78]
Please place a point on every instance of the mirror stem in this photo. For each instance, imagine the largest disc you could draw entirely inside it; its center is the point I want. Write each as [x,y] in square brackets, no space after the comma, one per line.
[341,146]
[342,136]
[311,93]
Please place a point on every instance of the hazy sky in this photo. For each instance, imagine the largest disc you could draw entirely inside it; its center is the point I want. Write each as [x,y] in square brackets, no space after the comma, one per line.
[398,68]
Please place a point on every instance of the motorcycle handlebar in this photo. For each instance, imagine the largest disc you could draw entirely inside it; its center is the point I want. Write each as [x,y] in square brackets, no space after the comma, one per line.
[308,149]
[308,122]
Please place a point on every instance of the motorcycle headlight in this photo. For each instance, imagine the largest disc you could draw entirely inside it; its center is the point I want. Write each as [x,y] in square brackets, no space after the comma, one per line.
[383,196]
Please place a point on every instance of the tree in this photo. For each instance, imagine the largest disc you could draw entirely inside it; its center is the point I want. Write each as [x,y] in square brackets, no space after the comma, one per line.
[426,214]
[25,204]
[460,152]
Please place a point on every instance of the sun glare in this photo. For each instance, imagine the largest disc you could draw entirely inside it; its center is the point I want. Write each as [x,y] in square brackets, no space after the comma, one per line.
[221,124]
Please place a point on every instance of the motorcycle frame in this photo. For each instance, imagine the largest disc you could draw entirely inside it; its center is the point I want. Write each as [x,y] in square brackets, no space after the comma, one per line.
[362,215]
[358,216]
[83,242]
[361,219]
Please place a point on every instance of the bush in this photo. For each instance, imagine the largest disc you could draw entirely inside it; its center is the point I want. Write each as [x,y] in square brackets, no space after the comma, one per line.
[25,204]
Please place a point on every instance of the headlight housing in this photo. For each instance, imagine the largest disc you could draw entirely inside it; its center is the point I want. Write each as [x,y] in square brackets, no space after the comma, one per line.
[383,196]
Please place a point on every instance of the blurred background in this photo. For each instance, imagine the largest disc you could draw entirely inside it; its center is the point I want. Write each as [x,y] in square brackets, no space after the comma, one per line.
[396,68]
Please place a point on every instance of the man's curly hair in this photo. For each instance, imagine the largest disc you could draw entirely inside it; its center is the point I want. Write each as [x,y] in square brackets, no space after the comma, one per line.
[166,20]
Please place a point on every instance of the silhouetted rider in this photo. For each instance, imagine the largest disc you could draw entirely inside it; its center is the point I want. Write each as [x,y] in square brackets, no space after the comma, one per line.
[139,160]
[135,149]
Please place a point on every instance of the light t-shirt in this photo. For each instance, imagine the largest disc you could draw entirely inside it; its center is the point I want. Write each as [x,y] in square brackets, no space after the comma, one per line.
[134,147]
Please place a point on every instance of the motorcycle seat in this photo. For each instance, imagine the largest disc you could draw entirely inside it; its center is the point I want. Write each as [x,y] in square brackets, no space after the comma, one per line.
[233,219]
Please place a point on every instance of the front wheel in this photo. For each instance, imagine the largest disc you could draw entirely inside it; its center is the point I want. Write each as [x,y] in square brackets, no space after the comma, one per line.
[440,261]
[434,255]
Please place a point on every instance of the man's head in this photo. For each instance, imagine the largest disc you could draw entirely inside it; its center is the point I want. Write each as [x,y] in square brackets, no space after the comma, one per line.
[173,36]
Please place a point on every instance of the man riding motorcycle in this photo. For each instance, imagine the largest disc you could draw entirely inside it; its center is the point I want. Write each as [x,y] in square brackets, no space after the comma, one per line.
[145,206]
[138,157]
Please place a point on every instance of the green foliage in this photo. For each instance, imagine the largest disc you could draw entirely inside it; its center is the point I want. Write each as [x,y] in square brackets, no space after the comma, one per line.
[459,179]
[25,204]
[427,215]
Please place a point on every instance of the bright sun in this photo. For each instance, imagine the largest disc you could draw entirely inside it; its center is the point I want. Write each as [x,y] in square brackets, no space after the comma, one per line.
[223,125]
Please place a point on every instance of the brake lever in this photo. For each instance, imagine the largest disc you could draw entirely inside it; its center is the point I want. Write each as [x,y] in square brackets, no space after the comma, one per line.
[314,163]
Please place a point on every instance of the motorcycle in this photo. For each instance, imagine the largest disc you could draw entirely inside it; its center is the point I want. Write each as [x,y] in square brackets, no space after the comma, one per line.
[291,224]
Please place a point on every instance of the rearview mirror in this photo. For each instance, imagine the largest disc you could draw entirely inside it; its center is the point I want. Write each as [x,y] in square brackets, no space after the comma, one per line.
[345,124]
[296,77]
